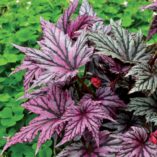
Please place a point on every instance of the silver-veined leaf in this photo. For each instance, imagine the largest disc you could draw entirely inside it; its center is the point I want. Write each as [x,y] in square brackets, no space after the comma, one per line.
[125,46]
[135,144]
[124,121]
[146,78]
[144,106]
[86,9]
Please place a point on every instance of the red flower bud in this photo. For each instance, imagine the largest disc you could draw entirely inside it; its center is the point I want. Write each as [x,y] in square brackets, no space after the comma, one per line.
[153,137]
[96,82]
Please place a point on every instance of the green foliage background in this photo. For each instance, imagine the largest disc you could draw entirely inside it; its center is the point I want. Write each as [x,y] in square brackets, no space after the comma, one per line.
[20,24]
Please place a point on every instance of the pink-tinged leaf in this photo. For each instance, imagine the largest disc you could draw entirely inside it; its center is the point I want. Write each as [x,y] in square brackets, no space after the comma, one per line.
[64,19]
[115,66]
[106,98]
[153,28]
[58,55]
[108,147]
[135,144]
[98,25]
[50,109]
[86,9]
[33,71]
[152,6]
[30,76]
[79,118]
[39,92]
[81,22]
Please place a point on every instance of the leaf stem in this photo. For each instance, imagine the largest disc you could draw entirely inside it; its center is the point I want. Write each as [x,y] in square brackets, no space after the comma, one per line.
[54,144]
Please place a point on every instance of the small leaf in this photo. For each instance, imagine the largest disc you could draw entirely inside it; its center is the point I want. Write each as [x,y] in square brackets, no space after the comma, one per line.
[8,122]
[3,61]
[86,9]
[81,71]
[6,113]
[62,23]
[4,97]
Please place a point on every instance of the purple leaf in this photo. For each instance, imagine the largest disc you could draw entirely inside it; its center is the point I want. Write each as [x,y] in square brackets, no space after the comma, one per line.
[85,116]
[106,98]
[64,19]
[108,147]
[86,9]
[115,65]
[58,55]
[135,144]
[98,25]
[50,109]
[124,121]
[153,28]
[33,71]
[152,6]
[81,22]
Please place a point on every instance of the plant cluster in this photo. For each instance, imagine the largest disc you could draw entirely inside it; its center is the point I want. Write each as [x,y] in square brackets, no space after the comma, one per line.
[19,23]
[92,87]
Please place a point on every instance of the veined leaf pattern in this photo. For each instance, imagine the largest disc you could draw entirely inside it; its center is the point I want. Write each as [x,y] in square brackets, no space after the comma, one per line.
[85,116]
[86,9]
[58,55]
[135,144]
[65,18]
[122,45]
[108,146]
[147,107]
[146,78]
[50,109]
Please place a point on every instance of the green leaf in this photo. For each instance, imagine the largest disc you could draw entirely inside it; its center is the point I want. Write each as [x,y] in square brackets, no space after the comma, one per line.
[127,21]
[81,71]
[45,150]
[25,151]
[8,122]
[4,97]
[6,113]
[2,131]
[11,58]
[25,35]
[17,117]
[3,61]
[2,79]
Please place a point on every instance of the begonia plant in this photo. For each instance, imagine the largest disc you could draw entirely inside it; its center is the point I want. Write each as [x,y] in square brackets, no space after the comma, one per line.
[92,86]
